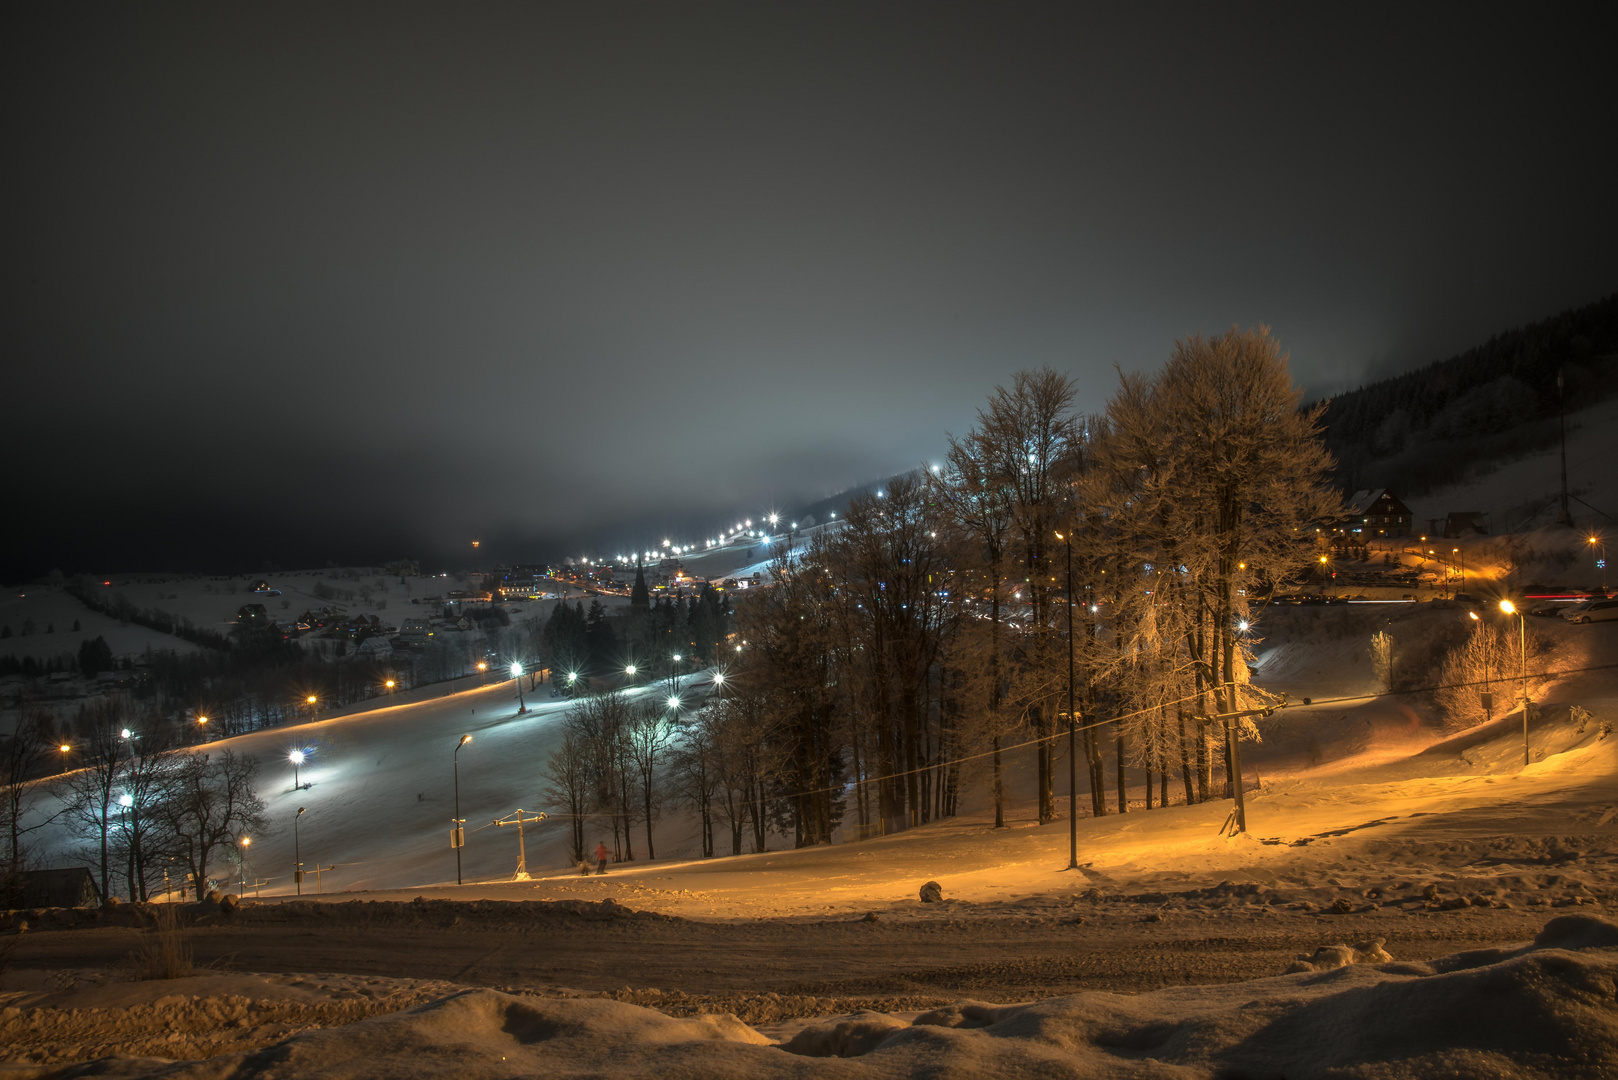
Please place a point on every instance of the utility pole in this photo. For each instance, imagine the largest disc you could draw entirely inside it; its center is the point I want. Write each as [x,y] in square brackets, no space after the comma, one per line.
[1229,719]
[457,834]
[517,819]
[1072,722]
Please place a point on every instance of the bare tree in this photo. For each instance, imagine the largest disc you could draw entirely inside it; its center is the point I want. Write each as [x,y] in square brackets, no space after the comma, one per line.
[20,763]
[647,738]
[601,722]
[212,805]
[1252,470]
[1032,439]
[90,792]
[567,785]
[694,772]
[978,503]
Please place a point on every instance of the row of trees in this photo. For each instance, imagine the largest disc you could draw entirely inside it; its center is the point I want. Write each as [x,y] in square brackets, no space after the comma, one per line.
[622,762]
[137,802]
[1063,578]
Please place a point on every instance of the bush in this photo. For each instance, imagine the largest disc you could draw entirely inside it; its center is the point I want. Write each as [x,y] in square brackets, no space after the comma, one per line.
[168,954]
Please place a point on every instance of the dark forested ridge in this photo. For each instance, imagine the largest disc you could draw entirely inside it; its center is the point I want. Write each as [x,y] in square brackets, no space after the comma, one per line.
[1421,430]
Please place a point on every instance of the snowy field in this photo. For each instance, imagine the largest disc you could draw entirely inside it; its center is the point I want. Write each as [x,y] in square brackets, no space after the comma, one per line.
[1409,901]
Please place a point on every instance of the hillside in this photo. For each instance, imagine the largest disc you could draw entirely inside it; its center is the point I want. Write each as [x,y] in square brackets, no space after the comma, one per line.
[1429,427]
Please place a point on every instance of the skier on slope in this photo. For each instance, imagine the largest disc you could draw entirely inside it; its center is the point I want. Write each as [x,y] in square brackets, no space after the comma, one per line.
[601,857]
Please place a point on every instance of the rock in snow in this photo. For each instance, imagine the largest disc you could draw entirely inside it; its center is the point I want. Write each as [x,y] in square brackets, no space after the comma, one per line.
[931,893]
[1546,1009]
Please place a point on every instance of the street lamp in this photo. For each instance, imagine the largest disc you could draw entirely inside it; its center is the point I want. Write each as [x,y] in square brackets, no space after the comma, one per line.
[516,673]
[1488,663]
[457,836]
[311,700]
[630,671]
[241,883]
[1522,628]
[297,869]
[1601,560]
[296,757]
[1072,723]
[719,678]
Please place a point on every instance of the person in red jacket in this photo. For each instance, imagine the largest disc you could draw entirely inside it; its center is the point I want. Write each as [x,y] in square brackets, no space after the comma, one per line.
[601,857]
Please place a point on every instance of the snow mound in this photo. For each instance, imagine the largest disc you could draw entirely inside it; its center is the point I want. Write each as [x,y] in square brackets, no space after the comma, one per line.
[1331,957]
[1542,1010]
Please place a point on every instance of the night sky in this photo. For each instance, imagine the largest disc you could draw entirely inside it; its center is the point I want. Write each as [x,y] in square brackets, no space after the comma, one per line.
[339,282]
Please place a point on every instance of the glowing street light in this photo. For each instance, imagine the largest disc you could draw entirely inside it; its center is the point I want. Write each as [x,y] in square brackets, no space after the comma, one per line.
[673,702]
[296,757]
[1522,643]
[241,884]
[124,734]
[516,674]
[719,678]
[457,835]
[630,671]
[1072,720]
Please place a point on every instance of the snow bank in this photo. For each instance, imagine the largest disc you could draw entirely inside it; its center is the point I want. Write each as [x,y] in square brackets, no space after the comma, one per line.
[1544,1009]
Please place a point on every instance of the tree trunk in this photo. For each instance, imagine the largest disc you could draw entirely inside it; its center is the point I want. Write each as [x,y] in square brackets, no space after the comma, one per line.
[1123,785]
[1185,760]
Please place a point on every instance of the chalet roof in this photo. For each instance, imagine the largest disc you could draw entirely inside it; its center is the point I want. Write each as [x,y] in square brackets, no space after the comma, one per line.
[1367,502]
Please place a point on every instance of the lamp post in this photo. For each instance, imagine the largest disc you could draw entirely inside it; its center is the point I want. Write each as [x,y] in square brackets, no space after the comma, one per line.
[1522,629]
[1462,555]
[311,700]
[296,757]
[516,674]
[1601,560]
[241,884]
[1488,664]
[457,835]
[297,858]
[1072,721]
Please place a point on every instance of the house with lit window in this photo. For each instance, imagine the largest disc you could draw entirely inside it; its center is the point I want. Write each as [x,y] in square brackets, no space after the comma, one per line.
[1377,512]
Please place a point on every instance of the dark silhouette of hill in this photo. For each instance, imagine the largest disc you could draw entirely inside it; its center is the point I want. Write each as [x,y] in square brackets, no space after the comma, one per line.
[1426,428]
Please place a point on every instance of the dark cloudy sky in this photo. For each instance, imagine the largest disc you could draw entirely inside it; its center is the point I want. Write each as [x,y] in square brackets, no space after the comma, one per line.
[296,283]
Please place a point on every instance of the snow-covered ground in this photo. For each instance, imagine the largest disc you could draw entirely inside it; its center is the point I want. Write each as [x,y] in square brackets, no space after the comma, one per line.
[1540,1008]
[1370,822]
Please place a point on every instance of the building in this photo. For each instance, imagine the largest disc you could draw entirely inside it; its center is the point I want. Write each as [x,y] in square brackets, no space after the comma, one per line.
[1461,523]
[67,887]
[1377,512]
